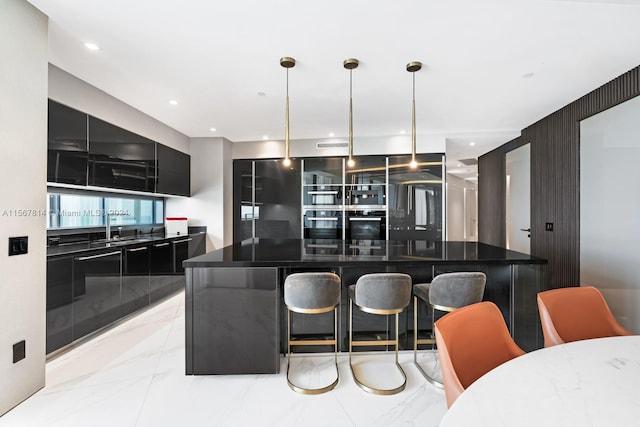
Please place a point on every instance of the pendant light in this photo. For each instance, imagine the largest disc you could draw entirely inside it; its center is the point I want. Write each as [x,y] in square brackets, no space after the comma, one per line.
[287,62]
[412,67]
[350,64]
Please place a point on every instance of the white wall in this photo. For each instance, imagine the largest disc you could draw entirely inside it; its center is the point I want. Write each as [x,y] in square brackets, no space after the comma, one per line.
[211,201]
[23,168]
[462,212]
[75,93]
[610,208]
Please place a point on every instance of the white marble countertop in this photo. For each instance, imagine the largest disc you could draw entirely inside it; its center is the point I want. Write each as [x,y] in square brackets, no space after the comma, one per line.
[585,383]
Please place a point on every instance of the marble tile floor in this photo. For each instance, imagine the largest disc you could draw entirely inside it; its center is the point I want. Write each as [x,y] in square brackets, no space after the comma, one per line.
[133,376]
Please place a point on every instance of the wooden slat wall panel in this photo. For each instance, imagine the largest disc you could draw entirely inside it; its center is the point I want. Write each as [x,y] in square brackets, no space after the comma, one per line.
[555,180]
[491,205]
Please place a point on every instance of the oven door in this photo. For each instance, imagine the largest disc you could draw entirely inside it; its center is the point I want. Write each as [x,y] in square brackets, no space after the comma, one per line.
[323,224]
[362,225]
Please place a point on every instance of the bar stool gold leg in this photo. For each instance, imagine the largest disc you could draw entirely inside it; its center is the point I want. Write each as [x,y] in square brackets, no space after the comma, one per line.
[360,383]
[326,388]
[417,341]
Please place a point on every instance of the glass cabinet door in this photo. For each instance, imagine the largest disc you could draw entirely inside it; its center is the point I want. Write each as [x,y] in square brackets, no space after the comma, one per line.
[416,198]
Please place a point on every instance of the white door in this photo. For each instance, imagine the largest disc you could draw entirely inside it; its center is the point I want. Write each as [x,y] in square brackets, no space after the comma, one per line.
[519,199]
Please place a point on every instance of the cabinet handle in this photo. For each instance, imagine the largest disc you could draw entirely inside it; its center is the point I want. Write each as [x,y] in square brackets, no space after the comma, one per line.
[144,248]
[323,219]
[365,219]
[322,192]
[182,241]
[84,258]
[161,244]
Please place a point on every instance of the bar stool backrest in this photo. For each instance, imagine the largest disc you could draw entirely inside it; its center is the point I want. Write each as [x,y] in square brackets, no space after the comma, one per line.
[312,291]
[450,291]
[383,291]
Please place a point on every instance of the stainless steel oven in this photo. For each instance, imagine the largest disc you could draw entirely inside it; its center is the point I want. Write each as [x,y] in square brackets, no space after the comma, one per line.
[323,224]
[366,224]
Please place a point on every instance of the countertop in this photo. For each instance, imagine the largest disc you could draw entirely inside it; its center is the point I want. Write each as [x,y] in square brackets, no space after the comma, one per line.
[76,248]
[300,252]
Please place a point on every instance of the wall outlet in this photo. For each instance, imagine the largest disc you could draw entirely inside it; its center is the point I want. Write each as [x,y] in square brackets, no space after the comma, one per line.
[19,351]
[18,245]
[548,226]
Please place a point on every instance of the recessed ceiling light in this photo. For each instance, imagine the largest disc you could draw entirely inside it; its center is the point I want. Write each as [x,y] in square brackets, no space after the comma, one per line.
[459,165]
[91,46]
[173,102]
[402,132]
[212,129]
[262,94]
[472,143]
[265,137]
[332,134]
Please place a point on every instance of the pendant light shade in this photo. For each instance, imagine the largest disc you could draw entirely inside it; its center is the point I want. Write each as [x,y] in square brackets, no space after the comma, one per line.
[287,62]
[412,67]
[350,64]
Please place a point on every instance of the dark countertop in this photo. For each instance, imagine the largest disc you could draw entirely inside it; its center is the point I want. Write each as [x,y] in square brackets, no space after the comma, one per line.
[76,248]
[314,252]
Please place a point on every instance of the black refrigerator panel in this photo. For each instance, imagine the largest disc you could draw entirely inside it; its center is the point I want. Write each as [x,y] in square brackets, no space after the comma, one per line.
[119,158]
[67,157]
[174,169]
[59,300]
[96,291]
[135,279]
[277,199]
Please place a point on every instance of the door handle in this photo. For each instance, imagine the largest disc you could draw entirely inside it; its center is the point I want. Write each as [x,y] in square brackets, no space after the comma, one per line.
[528,230]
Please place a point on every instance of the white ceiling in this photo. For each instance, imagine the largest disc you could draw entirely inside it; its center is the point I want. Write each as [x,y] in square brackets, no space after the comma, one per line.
[490,69]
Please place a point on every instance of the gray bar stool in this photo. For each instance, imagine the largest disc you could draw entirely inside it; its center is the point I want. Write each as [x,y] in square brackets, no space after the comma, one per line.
[312,293]
[446,292]
[379,293]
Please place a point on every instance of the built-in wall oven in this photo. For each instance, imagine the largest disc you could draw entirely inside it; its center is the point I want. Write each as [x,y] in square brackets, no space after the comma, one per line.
[366,224]
[323,224]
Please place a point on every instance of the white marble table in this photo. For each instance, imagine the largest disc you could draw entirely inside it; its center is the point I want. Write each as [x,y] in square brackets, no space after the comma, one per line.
[584,383]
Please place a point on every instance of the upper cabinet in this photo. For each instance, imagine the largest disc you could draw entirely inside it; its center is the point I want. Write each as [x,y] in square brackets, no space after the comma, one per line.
[174,171]
[85,150]
[119,158]
[67,143]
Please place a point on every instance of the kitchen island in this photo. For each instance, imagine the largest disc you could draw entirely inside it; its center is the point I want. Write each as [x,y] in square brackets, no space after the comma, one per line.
[235,314]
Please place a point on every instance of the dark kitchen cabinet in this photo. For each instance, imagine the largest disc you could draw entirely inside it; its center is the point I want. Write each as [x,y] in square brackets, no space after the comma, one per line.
[174,170]
[59,302]
[163,281]
[415,198]
[96,291]
[135,279]
[119,158]
[267,199]
[67,155]
[197,245]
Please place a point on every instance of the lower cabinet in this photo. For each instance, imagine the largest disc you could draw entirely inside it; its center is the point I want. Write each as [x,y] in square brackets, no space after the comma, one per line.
[89,291]
[162,279]
[59,299]
[96,291]
[135,279]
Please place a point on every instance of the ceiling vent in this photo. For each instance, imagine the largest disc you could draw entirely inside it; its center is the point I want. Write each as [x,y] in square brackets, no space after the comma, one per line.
[325,145]
[469,162]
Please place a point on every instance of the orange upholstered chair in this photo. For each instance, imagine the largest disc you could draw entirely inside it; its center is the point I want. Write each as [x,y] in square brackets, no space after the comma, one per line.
[472,341]
[573,314]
